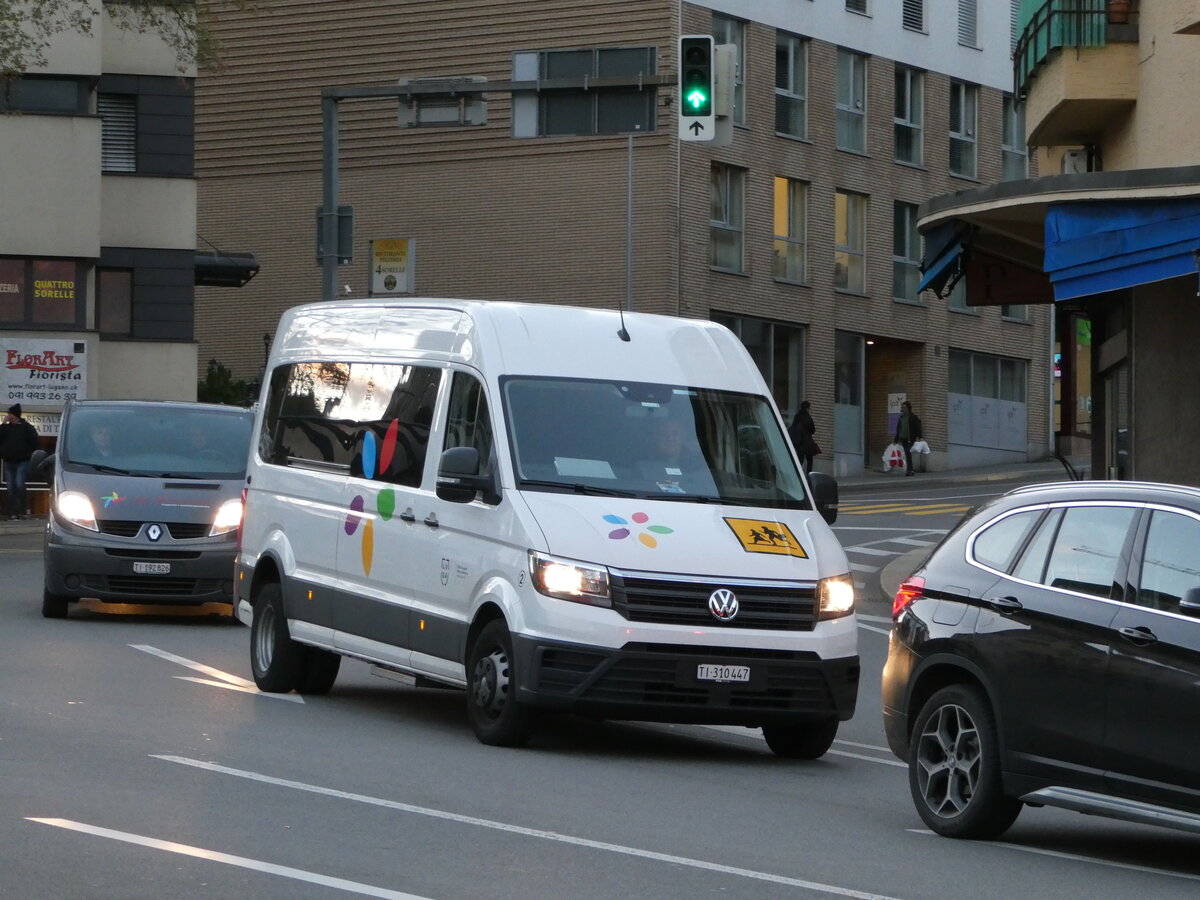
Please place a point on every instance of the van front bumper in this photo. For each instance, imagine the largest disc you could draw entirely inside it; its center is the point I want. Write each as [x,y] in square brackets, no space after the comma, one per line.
[659,683]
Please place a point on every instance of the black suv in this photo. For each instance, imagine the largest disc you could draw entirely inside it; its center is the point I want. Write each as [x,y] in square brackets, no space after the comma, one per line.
[1048,653]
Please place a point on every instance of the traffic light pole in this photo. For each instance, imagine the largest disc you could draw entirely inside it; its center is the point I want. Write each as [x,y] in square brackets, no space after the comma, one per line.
[329,192]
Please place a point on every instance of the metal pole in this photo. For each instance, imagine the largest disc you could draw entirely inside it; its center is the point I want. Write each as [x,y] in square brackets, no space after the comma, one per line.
[629,227]
[329,180]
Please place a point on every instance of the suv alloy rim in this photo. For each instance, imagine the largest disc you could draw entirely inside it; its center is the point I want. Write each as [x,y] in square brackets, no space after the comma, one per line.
[949,756]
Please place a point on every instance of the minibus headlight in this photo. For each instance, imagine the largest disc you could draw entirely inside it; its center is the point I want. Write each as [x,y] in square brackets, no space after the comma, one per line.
[228,518]
[76,508]
[565,579]
[835,597]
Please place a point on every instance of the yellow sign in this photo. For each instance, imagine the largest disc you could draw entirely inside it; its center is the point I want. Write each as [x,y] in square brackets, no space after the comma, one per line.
[392,267]
[766,537]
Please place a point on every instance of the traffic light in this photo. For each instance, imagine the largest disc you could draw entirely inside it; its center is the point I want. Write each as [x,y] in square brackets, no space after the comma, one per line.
[696,76]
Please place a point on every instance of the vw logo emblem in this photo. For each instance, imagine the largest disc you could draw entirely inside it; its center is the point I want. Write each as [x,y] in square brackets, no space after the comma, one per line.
[723,604]
[154,532]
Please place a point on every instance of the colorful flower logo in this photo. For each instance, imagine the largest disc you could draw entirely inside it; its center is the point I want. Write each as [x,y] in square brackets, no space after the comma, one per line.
[375,461]
[638,518]
[111,499]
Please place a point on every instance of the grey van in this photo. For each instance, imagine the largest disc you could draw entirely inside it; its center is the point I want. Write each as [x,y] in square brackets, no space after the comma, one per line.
[146,504]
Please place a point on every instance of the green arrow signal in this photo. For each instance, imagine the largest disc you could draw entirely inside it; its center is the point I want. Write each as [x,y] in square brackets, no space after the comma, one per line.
[697,99]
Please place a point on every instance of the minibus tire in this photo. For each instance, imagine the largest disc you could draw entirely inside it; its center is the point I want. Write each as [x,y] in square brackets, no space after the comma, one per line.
[275,659]
[495,715]
[54,606]
[806,739]
[319,671]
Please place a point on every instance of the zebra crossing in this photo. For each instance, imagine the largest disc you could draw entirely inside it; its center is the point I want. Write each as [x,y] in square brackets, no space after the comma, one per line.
[869,558]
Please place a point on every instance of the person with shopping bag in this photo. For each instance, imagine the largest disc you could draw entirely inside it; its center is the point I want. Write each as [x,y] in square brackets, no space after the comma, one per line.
[908,430]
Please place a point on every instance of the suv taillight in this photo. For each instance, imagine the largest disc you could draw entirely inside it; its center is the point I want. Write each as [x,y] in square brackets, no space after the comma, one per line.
[912,589]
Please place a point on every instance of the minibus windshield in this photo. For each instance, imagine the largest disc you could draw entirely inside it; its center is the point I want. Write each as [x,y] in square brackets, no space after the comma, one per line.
[669,442]
[158,441]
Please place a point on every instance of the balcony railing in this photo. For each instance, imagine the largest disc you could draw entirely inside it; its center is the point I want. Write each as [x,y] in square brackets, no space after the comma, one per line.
[1057,24]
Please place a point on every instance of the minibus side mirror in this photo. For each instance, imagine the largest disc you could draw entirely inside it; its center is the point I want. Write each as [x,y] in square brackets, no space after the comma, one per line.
[41,464]
[458,479]
[825,495]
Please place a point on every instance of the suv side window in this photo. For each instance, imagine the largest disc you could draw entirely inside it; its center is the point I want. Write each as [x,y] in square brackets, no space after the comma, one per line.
[997,545]
[1169,563]
[1033,561]
[1087,549]
[468,423]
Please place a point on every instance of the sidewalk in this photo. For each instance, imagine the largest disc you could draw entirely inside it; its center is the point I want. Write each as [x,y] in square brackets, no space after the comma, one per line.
[1042,470]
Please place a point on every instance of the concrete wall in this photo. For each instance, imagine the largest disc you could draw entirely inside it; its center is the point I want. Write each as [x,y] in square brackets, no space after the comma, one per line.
[148,212]
[144,370]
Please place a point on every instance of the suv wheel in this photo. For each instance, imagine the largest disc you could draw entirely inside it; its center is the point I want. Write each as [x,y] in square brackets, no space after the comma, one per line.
[954,766]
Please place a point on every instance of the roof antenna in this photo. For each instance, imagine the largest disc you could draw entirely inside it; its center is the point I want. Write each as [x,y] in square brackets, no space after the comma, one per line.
[622,333]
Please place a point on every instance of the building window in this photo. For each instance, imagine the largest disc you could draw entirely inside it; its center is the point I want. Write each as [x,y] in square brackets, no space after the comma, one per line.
[957,298]
[1015,312]
[1014,153]
[968,23]
[45,94]
[791,85]
[858,6]
[733,31]
[962,128]
[906,253]
[909,115]
[778,350]
[118,132]
[41,293]
[851,101]
[114,301]
[850,241]
[791,229]
[913,15]
[725,227]
[586,110]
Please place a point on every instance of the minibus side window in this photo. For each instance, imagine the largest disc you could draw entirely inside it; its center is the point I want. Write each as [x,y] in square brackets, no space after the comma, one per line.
[303,424]
[392,408]
[468,423]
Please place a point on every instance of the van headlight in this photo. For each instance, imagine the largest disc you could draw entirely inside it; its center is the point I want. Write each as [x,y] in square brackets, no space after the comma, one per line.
[76,508]
[835,597]
[565,579]
[227,519]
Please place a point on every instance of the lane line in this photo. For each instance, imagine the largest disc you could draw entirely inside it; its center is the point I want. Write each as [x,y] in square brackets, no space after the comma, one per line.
[910,529]
[863,567]
[242,689]
[884,631]
[241,862]
[911,542]
[224,679]
[529,832]
[1078,857]
[883,620]
[870,551]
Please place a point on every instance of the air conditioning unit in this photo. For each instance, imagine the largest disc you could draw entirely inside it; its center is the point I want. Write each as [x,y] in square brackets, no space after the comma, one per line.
[1076,162]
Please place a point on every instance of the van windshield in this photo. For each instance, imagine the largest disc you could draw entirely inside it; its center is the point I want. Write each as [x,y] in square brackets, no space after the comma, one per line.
[157,441]
[669,442]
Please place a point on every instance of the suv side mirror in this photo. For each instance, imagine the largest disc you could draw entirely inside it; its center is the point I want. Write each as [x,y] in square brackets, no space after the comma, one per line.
[1190,604]
[41,464]
[458,479]
[825,495]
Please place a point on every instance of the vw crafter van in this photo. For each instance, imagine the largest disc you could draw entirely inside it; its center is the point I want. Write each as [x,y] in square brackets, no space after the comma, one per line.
[555,508]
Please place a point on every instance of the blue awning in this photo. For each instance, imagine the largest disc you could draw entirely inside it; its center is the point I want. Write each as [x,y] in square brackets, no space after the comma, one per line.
[943,248]
[1095,247]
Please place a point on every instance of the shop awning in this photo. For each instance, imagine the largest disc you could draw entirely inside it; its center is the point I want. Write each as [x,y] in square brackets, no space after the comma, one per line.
[943,255]
[1096,247]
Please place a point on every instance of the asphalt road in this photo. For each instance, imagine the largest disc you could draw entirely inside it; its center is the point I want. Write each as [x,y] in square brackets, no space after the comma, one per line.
[137,760]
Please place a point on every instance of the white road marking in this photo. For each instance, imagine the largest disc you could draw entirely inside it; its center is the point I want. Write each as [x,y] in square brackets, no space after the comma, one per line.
[873,528]
[871,551]
[341,884]
[233,682]
[880,620]
[912,542]
[530,832]
[1059,854]
[865,627]
[859,567]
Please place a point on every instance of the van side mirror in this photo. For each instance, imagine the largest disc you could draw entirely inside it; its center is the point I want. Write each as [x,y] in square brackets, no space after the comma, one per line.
[41,464]
[458,478]
[1189,605]
[825,495]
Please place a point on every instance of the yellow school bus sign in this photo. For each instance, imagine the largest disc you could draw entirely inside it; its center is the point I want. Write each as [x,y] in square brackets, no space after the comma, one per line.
[392,267]
[758,536]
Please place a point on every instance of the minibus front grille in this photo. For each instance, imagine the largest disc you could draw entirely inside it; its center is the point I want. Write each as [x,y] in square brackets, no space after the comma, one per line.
[180,531]
[768,607]
[151,585]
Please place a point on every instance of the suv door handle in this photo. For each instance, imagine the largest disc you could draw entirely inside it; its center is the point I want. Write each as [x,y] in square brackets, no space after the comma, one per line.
[407,515]
[1141,635]
[431,520]
[1005,605]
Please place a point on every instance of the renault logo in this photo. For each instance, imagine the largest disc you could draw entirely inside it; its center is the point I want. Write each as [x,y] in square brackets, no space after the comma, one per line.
[154,532]
[723,604]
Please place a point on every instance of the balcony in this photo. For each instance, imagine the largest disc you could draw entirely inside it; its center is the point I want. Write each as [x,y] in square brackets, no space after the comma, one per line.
[1075,65]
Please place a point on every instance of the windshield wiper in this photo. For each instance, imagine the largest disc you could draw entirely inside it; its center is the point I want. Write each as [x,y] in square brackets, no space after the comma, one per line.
[578,488]
[111,470]
[689,498]
[177,475]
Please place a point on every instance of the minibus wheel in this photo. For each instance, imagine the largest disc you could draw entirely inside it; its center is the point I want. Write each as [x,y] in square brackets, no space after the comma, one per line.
[492,708]
[275,659]
[806,739]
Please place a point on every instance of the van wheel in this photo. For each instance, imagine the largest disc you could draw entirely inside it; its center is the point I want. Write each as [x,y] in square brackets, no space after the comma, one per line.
[275,659]
[54,606]
[808,739]
[492,708]
[954,766]
[319,671]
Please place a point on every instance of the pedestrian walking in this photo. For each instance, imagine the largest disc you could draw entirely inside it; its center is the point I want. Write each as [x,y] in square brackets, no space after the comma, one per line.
[18,440]
[803,432]
[908,431]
